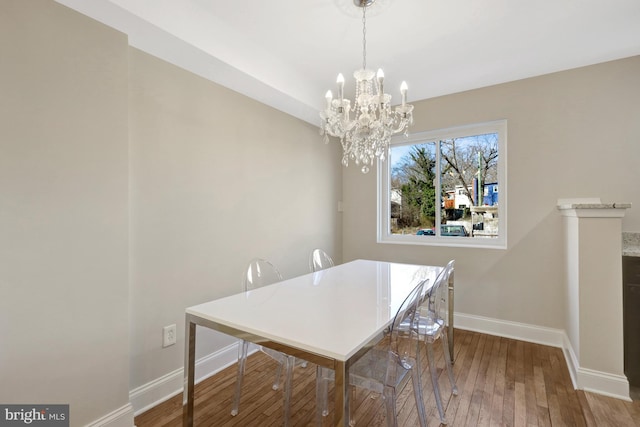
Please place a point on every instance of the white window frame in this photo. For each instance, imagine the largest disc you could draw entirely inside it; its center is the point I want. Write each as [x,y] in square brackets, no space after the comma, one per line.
[384,179]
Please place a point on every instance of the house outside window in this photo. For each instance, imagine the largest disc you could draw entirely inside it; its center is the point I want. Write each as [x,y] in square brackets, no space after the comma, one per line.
[441,188]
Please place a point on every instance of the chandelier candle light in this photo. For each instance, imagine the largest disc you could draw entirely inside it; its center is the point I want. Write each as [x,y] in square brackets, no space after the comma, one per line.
[368,134]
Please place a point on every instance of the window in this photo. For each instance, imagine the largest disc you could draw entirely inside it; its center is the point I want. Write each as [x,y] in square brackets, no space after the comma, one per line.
[441,188]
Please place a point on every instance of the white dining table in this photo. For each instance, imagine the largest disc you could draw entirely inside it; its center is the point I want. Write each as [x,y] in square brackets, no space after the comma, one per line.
[330,318]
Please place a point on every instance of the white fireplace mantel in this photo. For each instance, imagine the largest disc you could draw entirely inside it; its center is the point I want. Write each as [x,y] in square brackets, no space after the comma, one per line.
[593,292]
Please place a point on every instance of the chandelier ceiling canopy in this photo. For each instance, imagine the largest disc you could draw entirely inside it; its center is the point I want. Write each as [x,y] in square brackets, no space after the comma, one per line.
[365,129]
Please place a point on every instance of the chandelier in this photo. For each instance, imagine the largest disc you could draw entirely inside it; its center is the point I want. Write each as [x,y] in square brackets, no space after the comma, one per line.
[367,134]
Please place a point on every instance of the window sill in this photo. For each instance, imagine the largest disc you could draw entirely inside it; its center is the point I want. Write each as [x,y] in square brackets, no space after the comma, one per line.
[455,242]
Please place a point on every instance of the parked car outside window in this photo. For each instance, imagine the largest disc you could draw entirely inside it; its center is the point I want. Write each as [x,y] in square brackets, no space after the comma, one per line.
[426,232]
[453,230]
[445,230]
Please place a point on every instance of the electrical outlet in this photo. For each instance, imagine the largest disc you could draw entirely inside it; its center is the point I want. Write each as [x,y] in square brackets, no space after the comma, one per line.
[169,335]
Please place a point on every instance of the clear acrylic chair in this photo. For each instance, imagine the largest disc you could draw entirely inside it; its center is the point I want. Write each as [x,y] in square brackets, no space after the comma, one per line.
[429,325]
[319,260]
[385,370]
[261,273]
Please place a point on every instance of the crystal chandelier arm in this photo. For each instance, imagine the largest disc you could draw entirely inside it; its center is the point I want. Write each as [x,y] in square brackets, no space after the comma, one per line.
[402,118]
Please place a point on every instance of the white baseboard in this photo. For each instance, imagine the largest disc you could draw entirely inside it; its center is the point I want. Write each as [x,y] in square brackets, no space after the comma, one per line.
[121,417]
[583,379]
[502,328]
[571,359]
[159,390]
[594,381]
[604,383]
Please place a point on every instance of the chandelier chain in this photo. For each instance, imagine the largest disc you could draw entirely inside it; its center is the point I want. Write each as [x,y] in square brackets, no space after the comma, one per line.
[364,37]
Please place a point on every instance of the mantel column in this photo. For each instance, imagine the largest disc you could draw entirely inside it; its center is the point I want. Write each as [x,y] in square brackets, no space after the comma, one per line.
[593,319]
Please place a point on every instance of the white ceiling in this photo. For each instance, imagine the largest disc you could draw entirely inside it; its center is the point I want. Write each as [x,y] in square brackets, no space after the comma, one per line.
[287,53]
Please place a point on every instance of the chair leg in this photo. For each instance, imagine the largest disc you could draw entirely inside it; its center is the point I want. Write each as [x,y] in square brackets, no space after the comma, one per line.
[276,381]
[434,381]
[447,359]
[290,362]
[322,394]
[390,404]
[242,358]
[352,406]
[417,391]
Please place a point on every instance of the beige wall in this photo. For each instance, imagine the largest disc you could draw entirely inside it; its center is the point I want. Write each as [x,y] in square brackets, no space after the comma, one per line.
[570,134]
[216,179]
[131,189]
[64,319]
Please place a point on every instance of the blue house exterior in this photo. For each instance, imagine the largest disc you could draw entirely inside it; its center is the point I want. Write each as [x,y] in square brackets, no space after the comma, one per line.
[490,194]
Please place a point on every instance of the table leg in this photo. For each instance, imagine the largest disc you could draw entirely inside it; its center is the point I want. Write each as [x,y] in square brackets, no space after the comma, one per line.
[189,373]
[341,417]
[450,309]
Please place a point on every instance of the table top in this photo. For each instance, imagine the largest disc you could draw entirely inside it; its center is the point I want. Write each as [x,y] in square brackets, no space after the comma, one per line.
[332,312]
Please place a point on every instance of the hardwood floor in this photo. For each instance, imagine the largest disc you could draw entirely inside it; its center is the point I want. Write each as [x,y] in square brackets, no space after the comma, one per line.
[501,382]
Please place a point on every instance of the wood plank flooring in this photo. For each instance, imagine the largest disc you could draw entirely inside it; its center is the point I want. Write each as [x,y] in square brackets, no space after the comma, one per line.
[501,382]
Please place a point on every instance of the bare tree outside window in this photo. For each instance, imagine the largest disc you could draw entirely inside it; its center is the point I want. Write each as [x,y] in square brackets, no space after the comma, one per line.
[468,169]
[469,160]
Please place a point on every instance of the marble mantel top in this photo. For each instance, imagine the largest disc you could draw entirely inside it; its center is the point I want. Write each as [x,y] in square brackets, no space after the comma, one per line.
[591,207]
[594,206]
